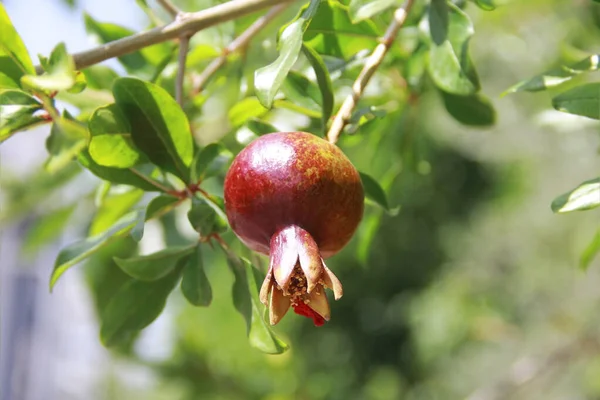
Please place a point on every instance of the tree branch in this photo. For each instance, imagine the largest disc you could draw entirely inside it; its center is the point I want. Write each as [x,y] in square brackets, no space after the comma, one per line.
[187,25]
[239,43]
[345,112]
[169,7]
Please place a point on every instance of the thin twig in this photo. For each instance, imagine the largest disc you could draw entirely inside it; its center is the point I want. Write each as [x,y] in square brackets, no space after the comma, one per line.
[184,44]
[237,44]
[188,25]
[169,7]
[344,114]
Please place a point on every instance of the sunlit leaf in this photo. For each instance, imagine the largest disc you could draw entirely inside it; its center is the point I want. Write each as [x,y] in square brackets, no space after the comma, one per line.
[450,65]
[111,144]
[80,250]
[245,298]
[67,139]
[268,80]
[60,74]
[245,109]
[487,5]
[332,32]
[194,283]
[112,208]
[365,9]
[159,127]
[134,306]
[324,82]
[17,111]
[590,252]
[299,90]
[14,57]
[117,175]
[556,76]
[156,265]
[473,110]
[584,197]
[99,77]
[582,100]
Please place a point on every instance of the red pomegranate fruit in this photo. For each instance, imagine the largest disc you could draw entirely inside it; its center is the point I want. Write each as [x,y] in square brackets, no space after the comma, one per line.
[299,199]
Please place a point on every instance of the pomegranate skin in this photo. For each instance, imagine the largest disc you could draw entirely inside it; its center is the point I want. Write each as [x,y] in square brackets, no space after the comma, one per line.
[293,178]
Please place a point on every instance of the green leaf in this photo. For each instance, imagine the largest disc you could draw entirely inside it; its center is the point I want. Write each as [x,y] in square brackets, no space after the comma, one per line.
[591,251]
[80,250]
[111,144]
[14,57]
[17,110]
[157,207]
[67,139]
[245,109]
[487,5]
[210,161]
[141,63]
[374,192]
[204,219]
[46,228]
[135,306]
[154,266]
[268,80]
[299,90]
[473,110]
[332,32]
[365,9]
[288,105]
[113,207]
[99,77]
[194,283]
[117,175]
[60,74]
[450,65]
[584,197]
[556,76]
[324,82]
[159,127]
[246,301]
[582,100]
[260,127]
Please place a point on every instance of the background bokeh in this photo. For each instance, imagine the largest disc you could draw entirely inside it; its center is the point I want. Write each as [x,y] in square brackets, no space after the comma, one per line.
[472,291]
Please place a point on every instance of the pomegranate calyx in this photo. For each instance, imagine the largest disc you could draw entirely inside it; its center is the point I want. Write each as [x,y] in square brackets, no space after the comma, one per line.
[297,277]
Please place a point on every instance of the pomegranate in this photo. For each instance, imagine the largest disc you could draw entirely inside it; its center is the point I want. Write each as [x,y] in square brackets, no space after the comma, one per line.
[299,199]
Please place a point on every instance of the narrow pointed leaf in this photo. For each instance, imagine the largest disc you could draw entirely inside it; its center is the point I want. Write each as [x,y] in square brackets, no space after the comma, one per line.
[248,108]
[114,207]
[159,127]
[116,175]
[194,283]
[299,90]
[450,65]
[80,250]
[135,306]
[582,100]
[590,252]
[17,111]
[324,82]
[204,219]
[268,80]
[375,193]
[212,160]
[154,266]
[331,32]
[260,127]
[584,197]
[473,110]
[14,57]
[364,9]
[111,144]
